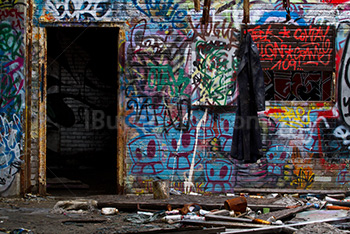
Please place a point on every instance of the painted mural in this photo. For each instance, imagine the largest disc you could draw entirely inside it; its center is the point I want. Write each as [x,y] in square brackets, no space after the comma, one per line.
[180,90]
[12,90]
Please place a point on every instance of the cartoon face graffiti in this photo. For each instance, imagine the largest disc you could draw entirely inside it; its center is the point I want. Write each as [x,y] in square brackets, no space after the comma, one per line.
[146,155]
[219,176]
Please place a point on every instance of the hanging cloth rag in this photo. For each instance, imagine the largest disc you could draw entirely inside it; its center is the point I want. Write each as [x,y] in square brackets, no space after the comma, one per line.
[247,141]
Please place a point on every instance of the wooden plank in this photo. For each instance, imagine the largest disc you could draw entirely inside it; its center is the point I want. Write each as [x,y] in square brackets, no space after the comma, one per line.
[271,229]
[226,218]
[290,191]
[268,230]
[121,132]
[283,214]
[42,63]
[87,220]
[25,174]
[185,230]
[221,224]
[132,205]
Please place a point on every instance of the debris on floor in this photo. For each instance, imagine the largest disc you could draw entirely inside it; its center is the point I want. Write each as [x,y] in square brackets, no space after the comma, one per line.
[75,206]
[182,213]
[312,215]
[270,213]
[323,228]
[109,211]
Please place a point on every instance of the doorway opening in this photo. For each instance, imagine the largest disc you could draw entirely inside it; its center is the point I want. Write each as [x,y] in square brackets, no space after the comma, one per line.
[82,84]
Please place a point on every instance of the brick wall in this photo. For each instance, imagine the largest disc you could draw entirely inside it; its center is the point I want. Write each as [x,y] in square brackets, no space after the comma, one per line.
[12,94]
[178,83]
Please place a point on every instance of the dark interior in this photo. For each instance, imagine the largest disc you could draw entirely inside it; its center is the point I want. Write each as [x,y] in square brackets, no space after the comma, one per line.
[81,110]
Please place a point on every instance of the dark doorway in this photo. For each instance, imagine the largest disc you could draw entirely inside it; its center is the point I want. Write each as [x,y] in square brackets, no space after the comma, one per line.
[82,83]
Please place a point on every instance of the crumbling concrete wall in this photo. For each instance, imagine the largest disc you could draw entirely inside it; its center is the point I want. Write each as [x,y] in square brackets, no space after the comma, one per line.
[178,92]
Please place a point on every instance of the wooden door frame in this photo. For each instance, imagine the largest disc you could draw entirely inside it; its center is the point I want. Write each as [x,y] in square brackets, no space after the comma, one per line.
[121,136]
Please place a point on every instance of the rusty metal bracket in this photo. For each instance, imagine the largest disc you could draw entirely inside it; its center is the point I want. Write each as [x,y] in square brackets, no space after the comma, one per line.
[206,9]
[245,12]
[286,6]
[197,5]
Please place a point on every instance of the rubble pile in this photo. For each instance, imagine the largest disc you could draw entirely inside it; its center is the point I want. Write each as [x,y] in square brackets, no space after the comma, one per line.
[299,213]
[272,213]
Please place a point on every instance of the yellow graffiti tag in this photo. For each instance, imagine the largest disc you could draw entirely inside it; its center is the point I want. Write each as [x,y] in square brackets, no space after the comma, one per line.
[304,178]
[9,3]
[295,118]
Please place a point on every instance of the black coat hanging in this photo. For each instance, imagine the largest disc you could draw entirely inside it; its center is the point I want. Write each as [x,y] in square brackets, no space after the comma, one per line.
[247,141]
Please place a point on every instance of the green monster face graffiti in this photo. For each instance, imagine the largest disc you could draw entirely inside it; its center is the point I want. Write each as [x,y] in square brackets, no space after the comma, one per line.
[214,76]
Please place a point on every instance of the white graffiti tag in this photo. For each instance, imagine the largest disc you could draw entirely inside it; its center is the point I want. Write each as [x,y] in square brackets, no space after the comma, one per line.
[10,137]
[343,133]
[79,10]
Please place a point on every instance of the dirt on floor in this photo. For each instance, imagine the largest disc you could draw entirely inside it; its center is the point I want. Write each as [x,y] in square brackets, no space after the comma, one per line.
[83,214]
[41,215]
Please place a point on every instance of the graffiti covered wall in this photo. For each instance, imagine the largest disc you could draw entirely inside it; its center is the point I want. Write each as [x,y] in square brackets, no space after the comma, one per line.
[178,81]
[12,90]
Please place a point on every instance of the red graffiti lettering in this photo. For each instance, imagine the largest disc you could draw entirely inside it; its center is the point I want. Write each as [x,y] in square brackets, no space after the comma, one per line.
[284,32]
[293,47]
[5,13]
